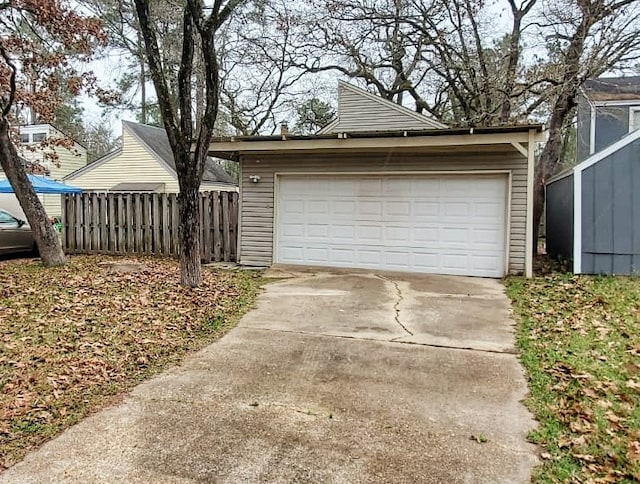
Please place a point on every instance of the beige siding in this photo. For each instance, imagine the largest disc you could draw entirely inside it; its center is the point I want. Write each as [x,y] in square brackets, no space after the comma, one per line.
[67,162]
[133,164]
[359,112]
[257,207]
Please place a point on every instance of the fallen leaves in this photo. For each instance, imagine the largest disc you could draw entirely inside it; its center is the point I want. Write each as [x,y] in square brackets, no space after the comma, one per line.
[73,335]
[580,340]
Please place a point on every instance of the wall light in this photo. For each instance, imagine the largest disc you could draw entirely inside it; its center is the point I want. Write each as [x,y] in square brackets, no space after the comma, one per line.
[254,178]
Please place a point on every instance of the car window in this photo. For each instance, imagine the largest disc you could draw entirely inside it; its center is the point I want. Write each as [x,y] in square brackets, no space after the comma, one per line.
[5,218]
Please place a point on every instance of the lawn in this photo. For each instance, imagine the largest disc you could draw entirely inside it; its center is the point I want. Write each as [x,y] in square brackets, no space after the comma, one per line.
[74,338]
[579,338]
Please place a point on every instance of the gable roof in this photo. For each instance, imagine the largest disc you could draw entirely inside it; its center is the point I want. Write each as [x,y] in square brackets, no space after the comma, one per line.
[155,141]
[613,88]
[359,110]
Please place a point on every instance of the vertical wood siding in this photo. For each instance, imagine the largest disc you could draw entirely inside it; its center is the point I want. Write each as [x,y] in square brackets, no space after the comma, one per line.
[257,208]
[611,213]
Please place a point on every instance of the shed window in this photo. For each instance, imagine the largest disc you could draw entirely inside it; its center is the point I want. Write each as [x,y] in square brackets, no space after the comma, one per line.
[38,137]
[634,118]
[24,138]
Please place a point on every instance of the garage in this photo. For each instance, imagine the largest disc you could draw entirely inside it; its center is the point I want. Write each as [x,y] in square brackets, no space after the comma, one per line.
[431,223]
[383,187]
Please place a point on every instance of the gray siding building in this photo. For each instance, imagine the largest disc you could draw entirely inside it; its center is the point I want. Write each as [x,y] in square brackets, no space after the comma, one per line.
[593,209]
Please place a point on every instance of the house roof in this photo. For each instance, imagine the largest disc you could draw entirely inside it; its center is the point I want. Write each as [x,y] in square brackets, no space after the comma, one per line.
[613,88]
[155,141]
[230,147]
[345,89]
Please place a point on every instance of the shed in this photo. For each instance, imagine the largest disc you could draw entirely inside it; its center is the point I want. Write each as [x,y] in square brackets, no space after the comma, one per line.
[593,211]
[364,194]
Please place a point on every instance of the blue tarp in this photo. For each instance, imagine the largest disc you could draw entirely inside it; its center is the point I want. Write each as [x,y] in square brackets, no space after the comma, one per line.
[41,185]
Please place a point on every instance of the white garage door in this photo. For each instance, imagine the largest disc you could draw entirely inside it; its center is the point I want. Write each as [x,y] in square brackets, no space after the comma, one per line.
[444,224]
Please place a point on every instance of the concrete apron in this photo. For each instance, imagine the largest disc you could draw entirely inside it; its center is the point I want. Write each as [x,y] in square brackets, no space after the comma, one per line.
[334,377]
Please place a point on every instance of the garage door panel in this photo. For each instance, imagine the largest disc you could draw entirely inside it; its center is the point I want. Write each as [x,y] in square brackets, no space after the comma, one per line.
[453,210]
[292,206]
[369,208]
[317,207]
[347,232]
[293,230]
[397,208]
[369,234]
[488,210]
[441,224]
[369,187]
[316,254]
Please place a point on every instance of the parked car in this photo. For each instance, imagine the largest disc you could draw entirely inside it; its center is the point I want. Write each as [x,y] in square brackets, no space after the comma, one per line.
[15,234]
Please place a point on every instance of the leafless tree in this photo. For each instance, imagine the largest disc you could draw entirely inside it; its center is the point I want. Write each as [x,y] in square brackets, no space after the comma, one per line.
[190,146]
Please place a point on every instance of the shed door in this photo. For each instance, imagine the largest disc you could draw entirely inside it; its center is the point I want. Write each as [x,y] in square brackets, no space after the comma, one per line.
[443,224]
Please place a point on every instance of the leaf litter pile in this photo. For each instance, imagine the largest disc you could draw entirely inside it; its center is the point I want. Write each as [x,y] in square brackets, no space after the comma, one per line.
[72,337]
[579,338]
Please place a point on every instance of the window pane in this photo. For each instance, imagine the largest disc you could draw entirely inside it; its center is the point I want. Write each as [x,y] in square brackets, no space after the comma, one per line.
[5,218]
[38,137]
[635,119]
[24,138]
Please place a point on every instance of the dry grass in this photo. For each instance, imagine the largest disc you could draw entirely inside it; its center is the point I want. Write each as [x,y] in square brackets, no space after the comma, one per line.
[580,342]
[72,337]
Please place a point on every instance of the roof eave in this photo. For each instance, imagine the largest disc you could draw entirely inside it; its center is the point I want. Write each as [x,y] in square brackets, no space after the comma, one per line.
[230,148]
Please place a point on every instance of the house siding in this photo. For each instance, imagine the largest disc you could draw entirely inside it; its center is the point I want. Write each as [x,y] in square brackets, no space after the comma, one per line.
[359,113]
[133,163]
[257,210]
[67,162]
[611,213]
[559,218]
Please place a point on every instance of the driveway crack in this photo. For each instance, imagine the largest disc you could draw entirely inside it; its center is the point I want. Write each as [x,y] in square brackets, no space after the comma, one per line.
[396,306]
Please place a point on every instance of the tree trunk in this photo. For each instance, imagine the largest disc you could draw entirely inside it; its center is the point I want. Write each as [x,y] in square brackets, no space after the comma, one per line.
[189,232]
[43,231]
[143,92]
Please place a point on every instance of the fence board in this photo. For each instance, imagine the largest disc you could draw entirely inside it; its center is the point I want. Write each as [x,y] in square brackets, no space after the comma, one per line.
[174,224]
[217,235]
[156,217]
[206,243]
[166,233]
[111,224]
[119,223]
[226,240]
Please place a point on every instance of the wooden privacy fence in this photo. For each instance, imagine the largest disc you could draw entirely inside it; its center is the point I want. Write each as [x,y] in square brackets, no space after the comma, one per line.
[146,223]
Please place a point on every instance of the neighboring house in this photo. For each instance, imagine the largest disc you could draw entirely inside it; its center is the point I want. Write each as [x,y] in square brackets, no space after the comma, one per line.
[593,209]
[144,163]
[383,187]
[37,147]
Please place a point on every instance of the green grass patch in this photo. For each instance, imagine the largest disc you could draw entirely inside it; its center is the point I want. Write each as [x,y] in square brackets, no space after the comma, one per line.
[72,338]
[579,338]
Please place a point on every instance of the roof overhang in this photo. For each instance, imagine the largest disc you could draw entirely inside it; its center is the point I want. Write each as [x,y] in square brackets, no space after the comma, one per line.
[497,138]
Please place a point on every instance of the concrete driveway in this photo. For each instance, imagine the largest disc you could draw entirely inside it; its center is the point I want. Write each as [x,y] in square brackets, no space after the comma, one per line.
[336,376]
